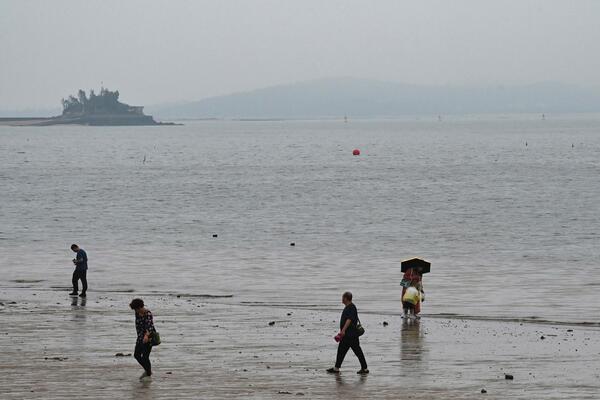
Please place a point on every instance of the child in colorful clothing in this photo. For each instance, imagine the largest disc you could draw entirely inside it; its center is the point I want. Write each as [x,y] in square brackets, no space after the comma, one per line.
[144,325]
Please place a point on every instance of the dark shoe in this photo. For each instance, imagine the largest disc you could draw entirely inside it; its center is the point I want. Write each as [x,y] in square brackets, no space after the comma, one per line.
[73,294]
[333,371]
[82,294]
[363,372]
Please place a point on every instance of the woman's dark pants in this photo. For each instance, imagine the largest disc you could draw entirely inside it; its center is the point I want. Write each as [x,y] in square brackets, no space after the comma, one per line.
[142,355]
[77,275]
[346,344]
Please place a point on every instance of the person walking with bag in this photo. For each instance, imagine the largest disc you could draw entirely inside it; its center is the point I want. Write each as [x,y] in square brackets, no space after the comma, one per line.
[348,337]
[146,336]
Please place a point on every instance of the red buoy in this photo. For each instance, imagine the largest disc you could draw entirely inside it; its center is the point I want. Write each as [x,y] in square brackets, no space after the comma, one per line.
[356,152]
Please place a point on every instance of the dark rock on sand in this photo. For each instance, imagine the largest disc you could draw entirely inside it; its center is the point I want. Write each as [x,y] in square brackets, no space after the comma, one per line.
[509,377]
[123,355]
[483,391]
[385,323]
[271,323]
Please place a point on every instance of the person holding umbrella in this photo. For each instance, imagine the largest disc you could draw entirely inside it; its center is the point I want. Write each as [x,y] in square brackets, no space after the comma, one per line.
[412,285]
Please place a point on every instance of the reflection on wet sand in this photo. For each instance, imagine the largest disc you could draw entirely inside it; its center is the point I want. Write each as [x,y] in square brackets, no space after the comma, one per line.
[78,307]
[347,388]
[78,301]
[143,390]
[412,346]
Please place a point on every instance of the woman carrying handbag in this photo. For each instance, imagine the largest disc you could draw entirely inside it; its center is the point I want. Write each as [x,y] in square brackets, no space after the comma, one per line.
[146,336]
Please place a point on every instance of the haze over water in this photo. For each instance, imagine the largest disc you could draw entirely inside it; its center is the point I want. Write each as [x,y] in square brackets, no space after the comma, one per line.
[511,230]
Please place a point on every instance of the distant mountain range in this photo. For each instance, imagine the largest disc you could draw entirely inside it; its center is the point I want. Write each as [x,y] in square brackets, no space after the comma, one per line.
[334,98]
[327,98]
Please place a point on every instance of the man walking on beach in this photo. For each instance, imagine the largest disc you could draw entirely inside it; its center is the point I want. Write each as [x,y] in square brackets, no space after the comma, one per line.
[348,336]
[80,272]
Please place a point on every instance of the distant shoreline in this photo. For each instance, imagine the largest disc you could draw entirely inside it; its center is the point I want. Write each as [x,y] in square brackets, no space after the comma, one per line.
[109,120]
[48,121]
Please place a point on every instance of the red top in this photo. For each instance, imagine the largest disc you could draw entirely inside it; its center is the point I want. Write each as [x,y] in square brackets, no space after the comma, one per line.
[412,275]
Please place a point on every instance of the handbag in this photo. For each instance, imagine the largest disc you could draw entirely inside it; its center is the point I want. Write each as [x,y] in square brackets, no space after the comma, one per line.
[405,283]
[360,330]
[154,338]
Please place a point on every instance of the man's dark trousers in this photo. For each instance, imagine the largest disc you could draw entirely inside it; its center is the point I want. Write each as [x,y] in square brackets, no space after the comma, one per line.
[77,275]
[346,344]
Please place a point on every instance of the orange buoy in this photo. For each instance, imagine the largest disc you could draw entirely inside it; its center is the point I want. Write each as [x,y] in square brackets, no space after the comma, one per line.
[356,152]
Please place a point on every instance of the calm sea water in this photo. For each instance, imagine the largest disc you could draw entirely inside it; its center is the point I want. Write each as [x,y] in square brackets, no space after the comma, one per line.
[511,230]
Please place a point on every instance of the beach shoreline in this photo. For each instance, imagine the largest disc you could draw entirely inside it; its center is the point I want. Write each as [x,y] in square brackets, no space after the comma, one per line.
[57,347]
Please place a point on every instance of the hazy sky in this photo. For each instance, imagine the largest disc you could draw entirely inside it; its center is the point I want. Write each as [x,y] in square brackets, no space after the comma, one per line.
[162,51]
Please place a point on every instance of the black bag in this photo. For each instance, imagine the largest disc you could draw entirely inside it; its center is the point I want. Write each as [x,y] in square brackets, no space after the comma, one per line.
[154,338]
[360,330]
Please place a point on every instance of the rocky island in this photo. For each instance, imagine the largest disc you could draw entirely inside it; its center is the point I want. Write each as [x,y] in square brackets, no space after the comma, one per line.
[96,109]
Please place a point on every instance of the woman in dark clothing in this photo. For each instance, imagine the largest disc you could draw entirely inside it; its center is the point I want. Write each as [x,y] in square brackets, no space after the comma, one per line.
[144,325]
[348,337]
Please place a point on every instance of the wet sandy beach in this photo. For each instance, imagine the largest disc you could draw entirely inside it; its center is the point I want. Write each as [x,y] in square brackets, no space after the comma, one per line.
[56,347]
